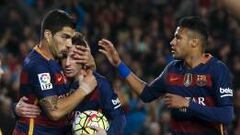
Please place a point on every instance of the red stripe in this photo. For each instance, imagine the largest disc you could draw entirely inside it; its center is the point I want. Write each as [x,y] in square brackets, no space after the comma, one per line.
[178,80]
[17,132]
[24,77]
[43,121]
[94,96]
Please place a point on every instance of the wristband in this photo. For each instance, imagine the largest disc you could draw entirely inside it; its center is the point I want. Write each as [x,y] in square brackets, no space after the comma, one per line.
[85,87]
[123,70]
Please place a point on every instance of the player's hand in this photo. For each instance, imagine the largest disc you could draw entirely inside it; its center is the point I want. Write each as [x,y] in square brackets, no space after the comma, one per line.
[109,51]
[175,101]
[88,82]
[99,131]
[84,56]
[24,109]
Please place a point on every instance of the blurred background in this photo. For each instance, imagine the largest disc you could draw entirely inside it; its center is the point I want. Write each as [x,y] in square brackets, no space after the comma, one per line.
[140,30]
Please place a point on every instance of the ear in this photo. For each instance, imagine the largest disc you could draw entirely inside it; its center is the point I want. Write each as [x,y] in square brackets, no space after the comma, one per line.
[194,42]
[47,35]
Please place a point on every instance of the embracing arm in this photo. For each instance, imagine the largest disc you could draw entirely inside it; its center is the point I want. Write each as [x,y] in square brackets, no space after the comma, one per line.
[56,107]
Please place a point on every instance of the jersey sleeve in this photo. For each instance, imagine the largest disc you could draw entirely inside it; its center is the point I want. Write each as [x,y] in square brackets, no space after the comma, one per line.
[112,108]
[222,84]
[156,88]
[42,82]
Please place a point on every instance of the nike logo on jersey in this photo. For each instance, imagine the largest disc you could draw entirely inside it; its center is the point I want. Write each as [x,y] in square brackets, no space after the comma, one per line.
[174,79]
[59,78]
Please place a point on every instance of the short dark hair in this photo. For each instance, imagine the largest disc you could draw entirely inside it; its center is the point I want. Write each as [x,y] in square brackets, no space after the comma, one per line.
[79,39]
[55,20]
[195,24]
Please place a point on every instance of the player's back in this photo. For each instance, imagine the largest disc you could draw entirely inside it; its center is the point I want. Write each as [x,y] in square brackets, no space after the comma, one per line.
[40,77]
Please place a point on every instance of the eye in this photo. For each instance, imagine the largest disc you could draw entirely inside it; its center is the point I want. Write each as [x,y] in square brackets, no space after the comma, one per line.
[72,55]
[66,36]
[177,37]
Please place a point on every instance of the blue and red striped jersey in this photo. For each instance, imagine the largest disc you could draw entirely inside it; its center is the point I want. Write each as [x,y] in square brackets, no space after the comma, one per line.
[209,89]
[105,100]
[41,77]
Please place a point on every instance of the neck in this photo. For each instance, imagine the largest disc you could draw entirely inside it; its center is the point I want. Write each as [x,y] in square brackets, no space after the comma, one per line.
[194,60]
[44,48]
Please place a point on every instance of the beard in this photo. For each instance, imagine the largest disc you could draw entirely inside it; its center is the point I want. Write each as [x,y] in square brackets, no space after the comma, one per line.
[53,49]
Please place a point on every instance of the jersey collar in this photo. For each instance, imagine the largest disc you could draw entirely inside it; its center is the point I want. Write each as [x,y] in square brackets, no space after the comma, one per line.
[205,58]
[38,50]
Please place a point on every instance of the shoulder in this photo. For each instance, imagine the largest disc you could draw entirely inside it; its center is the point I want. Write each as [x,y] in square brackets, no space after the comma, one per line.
[100,78]
[103,84]
[174,64]
[219,70]
[34,63]
[216,64]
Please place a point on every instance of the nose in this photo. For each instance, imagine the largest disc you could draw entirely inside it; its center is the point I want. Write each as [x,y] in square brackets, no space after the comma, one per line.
[68,62]
[69,43]
[173,42]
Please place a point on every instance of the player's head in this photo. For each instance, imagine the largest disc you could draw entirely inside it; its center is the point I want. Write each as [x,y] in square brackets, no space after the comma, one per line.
[1,70]
[57,30]
[70,67]
[191,35]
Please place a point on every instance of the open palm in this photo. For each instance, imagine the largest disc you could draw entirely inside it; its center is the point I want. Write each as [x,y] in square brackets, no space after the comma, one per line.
[109,51]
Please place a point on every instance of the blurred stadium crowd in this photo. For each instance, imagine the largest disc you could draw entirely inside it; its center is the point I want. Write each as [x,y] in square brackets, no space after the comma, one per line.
[141,30]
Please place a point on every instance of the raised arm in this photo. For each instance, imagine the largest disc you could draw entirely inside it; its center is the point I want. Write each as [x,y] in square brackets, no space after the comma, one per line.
[112,55]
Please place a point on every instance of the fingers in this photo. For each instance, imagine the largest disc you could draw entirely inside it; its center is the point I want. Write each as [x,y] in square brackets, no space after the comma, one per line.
[103,52]
[89,72]
[30,114]
[80,52]
[104,46]
[23,99]
[106,42]
[100,131]
[96,128]
[30,107]
[27,110]
[168,100]
[82,48]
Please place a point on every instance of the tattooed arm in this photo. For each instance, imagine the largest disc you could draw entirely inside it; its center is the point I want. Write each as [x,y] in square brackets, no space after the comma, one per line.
[56,107]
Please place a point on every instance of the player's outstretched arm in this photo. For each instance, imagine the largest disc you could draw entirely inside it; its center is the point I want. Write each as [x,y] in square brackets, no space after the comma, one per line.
[23,109]
[56,107]
[112,55]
